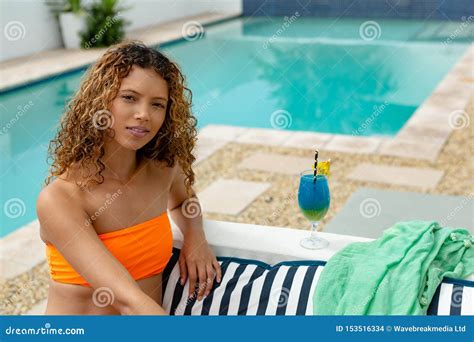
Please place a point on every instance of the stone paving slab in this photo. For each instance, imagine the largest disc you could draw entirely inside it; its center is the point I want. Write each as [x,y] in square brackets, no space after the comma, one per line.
[307,140]
[424,133]
[21,250]
[397,175]
[205,147]
[264,136]
[277,163]
[230,196]
[415,149]
[368,212]
[221,132]
[353,144]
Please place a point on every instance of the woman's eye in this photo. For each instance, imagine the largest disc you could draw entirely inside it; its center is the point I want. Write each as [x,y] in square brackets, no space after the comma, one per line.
[159,105]
[127,97]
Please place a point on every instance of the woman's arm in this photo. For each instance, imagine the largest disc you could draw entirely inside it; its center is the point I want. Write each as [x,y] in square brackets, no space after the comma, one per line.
[65,225]
[196,259]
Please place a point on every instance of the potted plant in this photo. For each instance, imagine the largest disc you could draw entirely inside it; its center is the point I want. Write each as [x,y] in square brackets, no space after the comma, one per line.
[71,18]
[104,26]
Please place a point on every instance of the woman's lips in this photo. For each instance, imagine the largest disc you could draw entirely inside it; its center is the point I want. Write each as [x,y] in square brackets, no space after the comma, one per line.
[138,132]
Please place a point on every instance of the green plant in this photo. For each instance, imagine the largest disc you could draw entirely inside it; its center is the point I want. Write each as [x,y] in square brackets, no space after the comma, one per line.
[61,6]
[104,27]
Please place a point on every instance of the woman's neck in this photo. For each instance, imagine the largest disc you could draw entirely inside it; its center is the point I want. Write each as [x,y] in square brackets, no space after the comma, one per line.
[120,163]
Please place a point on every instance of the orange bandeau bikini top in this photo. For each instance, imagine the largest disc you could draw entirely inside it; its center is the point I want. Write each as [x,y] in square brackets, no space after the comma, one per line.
[143,249]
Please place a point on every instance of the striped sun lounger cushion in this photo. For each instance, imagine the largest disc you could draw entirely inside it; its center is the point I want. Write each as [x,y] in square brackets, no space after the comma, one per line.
[248,287]
[453,297]
[252,287]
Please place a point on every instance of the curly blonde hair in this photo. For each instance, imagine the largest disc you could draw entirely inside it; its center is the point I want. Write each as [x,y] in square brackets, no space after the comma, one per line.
[80,142]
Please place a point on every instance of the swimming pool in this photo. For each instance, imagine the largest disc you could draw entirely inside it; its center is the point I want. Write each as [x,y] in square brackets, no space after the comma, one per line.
[320,71]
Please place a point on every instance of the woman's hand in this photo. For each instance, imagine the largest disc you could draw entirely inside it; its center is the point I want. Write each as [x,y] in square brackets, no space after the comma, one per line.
[197,261]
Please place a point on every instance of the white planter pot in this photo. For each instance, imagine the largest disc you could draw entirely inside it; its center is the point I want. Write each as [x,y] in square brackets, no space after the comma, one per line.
[71,26]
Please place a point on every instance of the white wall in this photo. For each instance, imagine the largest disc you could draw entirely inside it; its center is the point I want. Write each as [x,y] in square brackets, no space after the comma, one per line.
[28,26]
[152,12]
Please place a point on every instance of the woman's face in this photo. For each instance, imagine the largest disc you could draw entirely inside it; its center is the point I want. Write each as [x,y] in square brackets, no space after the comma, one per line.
[139,108]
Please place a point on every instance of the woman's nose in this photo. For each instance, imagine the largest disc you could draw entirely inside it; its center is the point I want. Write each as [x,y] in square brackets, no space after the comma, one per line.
[142,114]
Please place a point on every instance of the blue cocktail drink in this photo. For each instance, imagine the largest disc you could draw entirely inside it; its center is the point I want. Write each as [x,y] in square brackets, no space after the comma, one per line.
[313,197]
[314,200]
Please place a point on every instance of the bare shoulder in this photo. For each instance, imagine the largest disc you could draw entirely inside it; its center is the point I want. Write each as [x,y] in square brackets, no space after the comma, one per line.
[58,199]
[58,191]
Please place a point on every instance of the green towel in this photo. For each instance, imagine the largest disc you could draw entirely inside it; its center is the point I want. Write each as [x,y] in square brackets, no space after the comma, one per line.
[397,274]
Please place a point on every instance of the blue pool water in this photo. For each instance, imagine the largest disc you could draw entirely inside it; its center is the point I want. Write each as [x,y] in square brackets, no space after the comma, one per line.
[318,72]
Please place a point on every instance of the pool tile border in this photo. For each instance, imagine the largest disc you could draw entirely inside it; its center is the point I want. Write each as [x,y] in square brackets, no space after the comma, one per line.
[432,123]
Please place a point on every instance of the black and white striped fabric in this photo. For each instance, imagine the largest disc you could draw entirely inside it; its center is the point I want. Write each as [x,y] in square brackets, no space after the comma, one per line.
[248,287]
[454,297]
[251,287]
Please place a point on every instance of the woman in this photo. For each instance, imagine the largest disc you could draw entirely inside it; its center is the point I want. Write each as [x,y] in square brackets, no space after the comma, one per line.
[121,159]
